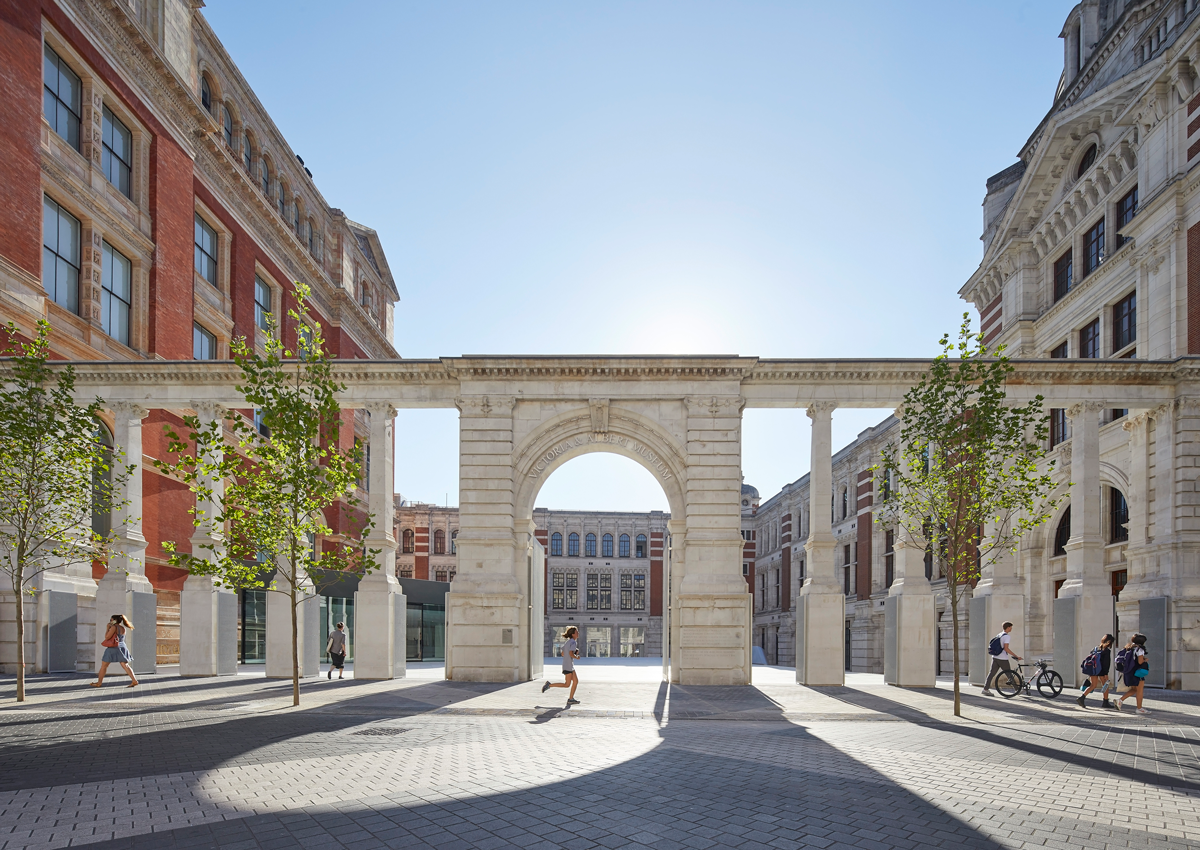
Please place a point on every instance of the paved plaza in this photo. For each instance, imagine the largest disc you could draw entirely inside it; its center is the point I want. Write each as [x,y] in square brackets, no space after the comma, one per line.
[424,762]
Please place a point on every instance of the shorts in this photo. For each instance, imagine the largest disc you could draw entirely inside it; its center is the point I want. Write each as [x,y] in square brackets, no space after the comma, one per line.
[338,659]
[567,672]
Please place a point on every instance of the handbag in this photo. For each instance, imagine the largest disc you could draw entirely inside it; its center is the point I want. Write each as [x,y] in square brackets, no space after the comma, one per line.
[110,642]
[1141,672]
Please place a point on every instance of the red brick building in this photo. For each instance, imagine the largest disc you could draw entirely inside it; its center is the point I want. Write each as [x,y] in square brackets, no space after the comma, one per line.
[153,211]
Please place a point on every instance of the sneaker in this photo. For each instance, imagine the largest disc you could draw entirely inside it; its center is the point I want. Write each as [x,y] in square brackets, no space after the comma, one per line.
[1118,705]
[1142,711]
[1106,704]
[545,687]
[1080,701]
[330,676]
[572,702]
[986,692]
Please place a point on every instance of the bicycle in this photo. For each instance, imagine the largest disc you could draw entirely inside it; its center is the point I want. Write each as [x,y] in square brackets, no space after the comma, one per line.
[1009,683]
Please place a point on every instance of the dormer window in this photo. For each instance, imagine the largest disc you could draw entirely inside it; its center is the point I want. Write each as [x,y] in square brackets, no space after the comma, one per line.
[1089,159]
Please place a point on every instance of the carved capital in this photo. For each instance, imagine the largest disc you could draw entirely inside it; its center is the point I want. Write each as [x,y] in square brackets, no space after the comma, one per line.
[485,405]
[820,408]
[1087,407]
[129,410]
[208,410]
[380,408]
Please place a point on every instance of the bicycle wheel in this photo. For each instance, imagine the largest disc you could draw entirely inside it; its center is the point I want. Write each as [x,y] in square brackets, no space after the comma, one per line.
[1008,683]
[1049,684]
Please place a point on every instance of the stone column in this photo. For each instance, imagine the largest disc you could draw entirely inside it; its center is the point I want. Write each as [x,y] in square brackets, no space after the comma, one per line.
[910,619]
[713,607]
[1083,612]
[998,599]
[208,613]
[124,588]
[1139,553]
[483,617]
[380,617]
[821,612]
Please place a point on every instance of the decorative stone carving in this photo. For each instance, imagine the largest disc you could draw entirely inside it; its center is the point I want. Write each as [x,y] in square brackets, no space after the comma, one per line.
[599,411]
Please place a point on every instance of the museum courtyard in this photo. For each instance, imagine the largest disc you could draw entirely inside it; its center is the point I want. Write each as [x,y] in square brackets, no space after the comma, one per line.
[424,762]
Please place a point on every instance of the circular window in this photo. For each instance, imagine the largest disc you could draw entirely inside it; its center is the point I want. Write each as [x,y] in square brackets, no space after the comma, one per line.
[1089,158]
[745,503]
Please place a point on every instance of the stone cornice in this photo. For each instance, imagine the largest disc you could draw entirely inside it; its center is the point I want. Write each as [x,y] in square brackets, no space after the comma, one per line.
[586,367]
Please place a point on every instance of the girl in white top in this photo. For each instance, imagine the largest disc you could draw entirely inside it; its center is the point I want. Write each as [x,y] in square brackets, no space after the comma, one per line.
[570,652]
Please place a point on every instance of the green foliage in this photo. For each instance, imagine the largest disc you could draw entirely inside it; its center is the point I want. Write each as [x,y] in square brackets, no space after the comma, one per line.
[272,493]
[53,468]
[967,461]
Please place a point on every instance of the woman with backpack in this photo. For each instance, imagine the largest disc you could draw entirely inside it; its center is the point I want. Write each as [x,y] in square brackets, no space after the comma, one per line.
[1095,667]
[1134,666]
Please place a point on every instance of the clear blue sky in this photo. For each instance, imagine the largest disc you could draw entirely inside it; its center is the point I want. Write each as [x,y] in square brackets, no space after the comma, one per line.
[790,179]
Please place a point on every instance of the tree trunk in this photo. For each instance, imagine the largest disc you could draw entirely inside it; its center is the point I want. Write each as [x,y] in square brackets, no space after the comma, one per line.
[295,644]
[20,640]
[954,642]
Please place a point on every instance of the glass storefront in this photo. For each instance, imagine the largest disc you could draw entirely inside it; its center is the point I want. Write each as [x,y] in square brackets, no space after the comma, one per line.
[252,628]
[599,642]
[426,633]
[633,641]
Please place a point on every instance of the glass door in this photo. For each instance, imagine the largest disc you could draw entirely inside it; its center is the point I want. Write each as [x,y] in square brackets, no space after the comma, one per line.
[334,610]
[252,643]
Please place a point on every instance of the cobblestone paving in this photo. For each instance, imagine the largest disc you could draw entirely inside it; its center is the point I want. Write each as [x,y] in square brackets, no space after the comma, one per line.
[415,764]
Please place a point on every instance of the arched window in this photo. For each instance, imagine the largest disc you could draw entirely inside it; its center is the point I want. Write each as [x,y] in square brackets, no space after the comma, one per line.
[439,542]
[1118,516]
[227,127]
[606,546]
[409,541]
[247,151]
[264,176]
[454,542]
[845,502]
[280,199]
[573,545]
[640,548]
[1089,159]
[589,545]
[206,93]
[311,237]
[296,215]
[1062,534]
[556,544]
[102,484]
[623,546]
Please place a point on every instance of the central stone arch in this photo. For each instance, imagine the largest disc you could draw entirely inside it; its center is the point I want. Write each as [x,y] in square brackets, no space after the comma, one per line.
[509,447]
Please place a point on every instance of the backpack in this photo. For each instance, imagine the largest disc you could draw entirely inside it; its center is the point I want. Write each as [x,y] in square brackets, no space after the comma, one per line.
[996,647]
[1091,664]
[1126,660]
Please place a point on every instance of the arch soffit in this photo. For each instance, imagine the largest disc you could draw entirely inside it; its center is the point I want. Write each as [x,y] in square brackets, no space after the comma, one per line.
[624,426]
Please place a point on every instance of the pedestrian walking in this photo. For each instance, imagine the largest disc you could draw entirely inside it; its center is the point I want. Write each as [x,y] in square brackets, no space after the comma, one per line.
[115,650]
[1134,665]
[1096,667]
[570,651]
[336,647]
[999,649]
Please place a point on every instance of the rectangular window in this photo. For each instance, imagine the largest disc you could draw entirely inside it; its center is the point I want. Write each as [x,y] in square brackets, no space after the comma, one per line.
[606,592]
[1062,276]
[639,592]
[116,280]
[778,598]
[558,598]
[441,575]
[1059,352]
[626,592]
[1124,322]
[593,591]
[204,344]
[262,303]
[1089,340]
[206,251]
[117,157]
[62,96]
[559,580]
[1126,210]
[1058,425]
[889,557]
[1118,516]
[572,598]
[60,255]
[1093,248]
[260,425]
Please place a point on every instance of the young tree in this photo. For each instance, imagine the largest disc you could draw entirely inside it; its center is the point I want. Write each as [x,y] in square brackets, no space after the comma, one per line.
[54,469]
[963,480]
[263,495]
